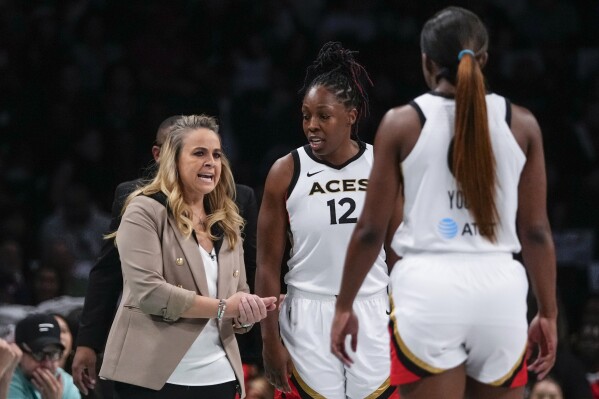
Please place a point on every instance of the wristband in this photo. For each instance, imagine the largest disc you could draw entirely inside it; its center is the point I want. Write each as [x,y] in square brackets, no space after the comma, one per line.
[222,306]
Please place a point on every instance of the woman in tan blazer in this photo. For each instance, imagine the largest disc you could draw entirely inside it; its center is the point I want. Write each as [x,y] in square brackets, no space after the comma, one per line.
[185,292]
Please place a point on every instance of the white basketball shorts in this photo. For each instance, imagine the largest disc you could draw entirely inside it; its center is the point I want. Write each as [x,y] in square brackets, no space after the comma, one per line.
[449,309]
[305,323]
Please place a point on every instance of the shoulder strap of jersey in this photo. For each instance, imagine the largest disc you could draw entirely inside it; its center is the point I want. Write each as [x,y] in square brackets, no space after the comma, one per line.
[296,171]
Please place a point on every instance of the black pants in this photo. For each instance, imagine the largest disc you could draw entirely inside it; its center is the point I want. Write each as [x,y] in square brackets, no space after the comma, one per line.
[226,390]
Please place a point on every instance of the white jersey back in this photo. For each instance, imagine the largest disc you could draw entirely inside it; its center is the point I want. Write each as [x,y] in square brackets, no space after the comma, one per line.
[436,218]
[323,204]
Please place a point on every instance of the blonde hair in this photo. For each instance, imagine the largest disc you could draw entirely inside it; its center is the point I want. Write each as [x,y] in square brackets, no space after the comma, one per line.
[221,208]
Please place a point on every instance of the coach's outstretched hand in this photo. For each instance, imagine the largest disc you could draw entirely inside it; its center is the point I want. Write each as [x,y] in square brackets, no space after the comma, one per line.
[542,334]
[344,323]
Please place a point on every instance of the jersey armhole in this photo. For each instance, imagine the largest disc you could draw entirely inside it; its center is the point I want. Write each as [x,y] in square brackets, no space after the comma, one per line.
[508,113]
[420,113]
[296,172]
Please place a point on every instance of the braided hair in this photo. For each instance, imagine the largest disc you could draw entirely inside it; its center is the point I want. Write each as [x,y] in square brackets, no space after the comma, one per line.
[336,69]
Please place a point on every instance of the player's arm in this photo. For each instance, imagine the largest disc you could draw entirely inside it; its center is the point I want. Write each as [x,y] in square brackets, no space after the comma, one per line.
[272,236]
[535,235]
[381,202]
[396,218]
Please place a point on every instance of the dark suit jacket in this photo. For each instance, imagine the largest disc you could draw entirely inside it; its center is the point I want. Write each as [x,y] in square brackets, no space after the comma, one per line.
[106,280]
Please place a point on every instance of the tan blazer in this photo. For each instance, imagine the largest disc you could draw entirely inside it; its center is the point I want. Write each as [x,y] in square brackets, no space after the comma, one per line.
[162,274]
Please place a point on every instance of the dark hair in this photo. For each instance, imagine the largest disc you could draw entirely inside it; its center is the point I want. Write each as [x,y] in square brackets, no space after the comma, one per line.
[443,38]
[165,128]
[336,69]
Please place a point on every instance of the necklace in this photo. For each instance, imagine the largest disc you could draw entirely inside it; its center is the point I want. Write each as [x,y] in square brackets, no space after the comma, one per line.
[201,226]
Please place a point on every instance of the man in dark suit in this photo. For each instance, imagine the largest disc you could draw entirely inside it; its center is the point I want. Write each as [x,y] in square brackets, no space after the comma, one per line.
[106,281]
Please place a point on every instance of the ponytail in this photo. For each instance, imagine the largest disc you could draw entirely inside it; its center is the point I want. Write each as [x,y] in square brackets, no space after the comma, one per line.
[473,160]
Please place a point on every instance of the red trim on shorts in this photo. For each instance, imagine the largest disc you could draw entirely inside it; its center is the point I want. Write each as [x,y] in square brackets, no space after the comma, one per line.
[399,373]
[521,376]
[403,371]
[294,394]
[390,392]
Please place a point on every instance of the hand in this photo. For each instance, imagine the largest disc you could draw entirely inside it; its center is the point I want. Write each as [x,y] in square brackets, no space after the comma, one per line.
[251,306]
[50,386]
[84,369]
[251,310]
[542,333]
[277,365]
[344,323]
[10,355]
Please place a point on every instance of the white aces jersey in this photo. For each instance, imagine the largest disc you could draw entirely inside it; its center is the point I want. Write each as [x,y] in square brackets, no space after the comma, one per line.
[436,218]
[323,204]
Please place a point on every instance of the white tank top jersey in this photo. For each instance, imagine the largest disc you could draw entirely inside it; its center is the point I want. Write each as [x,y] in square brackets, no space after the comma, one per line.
[436,218]
[323,204]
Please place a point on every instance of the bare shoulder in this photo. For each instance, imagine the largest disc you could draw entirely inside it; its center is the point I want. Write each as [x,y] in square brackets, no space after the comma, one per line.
[401,118]
[525,126]
[400,128]
[280,175]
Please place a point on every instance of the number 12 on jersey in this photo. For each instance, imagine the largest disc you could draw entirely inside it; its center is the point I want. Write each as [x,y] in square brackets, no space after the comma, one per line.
[346,217]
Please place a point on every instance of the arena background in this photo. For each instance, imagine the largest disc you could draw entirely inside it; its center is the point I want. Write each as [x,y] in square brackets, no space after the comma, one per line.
[85,83]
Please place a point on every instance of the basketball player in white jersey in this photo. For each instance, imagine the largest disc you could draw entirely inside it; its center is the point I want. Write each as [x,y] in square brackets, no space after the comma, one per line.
[474,194]
[313,196]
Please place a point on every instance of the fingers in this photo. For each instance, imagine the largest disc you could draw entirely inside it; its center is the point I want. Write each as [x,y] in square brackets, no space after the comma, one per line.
[270,303]
[338,349]
[279,379]
[251,309]
[544,361]
[10,355]
[84,369]
[242,311]
[50,386]
[90,377]
[6,356]
[543,335]
[261,307]
[18,354]
[338,345]
[542,366]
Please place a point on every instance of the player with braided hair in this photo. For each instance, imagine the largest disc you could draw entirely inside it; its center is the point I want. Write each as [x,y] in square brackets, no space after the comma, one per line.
[314,196]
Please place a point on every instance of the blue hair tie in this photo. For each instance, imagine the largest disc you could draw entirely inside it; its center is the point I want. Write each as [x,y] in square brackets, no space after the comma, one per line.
[461,54]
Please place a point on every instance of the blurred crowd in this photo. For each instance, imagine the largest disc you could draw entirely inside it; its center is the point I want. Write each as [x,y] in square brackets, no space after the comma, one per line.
[85,84]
